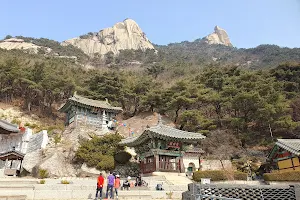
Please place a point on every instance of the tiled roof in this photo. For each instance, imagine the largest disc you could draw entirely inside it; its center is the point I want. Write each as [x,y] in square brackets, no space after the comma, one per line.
[11,154]
[129,140]
[175,133]
[91,102]
[162,131]
[195,150]
[291,145]
[8,126]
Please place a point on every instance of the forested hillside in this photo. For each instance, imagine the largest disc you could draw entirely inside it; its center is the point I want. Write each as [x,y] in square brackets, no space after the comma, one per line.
[253,105]
[202,54]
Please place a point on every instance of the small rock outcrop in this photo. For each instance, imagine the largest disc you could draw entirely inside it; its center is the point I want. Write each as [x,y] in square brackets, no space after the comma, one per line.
[16,43]
[220,36]
[123,35]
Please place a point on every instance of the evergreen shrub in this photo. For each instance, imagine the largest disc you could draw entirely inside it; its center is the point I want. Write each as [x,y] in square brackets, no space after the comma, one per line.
[217,175]
[282,176]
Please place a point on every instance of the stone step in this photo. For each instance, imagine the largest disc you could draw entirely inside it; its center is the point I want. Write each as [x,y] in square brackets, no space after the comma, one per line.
[13,197]
[134,197]
[16,187]
[18,182]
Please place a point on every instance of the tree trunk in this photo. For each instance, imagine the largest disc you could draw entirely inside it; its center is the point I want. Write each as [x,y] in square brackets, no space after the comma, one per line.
[29,106]
[221,161]
[176,115]
[181,127]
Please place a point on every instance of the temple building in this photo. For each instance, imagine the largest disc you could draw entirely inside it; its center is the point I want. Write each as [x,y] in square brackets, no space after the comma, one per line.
[15,142]
[162,148]
[285,155]
[81,110]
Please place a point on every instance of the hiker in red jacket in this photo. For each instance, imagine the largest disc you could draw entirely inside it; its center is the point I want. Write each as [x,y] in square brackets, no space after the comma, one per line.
[100,183]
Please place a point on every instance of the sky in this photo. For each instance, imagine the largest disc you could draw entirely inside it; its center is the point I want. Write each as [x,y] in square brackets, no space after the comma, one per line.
[248,23]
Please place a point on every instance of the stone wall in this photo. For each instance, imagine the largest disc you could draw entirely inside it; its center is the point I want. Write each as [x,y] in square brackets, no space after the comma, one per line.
[37,141]
[215,164]
[191,160]
[17,141]
[10,142]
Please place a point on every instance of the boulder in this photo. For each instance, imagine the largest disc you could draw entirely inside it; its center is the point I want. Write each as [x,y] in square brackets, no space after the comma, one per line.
[123,35]
[219,36]
[86,171]
[32,159]
[58,165]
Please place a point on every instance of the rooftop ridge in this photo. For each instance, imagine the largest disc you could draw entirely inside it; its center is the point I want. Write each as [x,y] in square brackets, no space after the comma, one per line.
[82,97]
[9,126]
[163,131]
[291,145]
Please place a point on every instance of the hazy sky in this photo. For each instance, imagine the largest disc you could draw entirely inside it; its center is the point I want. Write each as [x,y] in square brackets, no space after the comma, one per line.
[248,23]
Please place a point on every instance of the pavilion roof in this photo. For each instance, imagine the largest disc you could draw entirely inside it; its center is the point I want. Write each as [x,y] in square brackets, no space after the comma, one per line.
[12,155]
[8,127]
[163,132]
[291,145]
[195,150]
[76,99]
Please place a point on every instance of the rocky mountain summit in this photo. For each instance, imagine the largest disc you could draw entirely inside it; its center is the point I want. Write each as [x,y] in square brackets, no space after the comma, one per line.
[123,35]
[219,36]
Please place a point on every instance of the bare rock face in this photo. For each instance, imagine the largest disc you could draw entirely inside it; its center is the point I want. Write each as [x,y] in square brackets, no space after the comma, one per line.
[32,159]
[58,166]
[218,37]
[15,43]
[123,35]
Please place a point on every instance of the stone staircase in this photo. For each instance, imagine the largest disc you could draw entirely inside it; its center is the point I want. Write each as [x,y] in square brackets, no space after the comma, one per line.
[178,180]
[170,182]
[80,189]
[14,188]
[152,181]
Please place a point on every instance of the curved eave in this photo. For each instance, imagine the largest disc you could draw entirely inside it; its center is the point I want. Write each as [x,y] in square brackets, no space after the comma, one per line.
[9,127]
[69,103]
[288,148]
[11,154]
[147,134]
[65,107]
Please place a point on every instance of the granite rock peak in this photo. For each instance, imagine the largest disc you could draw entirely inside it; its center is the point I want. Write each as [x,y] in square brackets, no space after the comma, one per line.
[123,35]
[219,36]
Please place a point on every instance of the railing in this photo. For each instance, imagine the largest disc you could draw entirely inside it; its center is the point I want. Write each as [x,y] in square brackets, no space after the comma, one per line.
[169,166]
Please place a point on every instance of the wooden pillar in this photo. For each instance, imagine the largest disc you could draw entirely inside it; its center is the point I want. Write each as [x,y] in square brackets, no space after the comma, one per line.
[181,166]
[6,163]
[293,164]
[156,157]
[75,119]
[21,165]
[141,166]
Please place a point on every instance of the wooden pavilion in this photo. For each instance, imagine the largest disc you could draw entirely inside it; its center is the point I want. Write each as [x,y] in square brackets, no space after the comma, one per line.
[162,148]
[285,155]
[81,110]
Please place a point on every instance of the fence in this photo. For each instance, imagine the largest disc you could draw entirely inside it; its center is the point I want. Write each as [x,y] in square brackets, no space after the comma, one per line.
[239,192]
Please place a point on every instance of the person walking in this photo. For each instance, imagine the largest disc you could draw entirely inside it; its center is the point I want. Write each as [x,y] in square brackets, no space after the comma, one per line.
[100,183]
[110,185]
[117,185]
